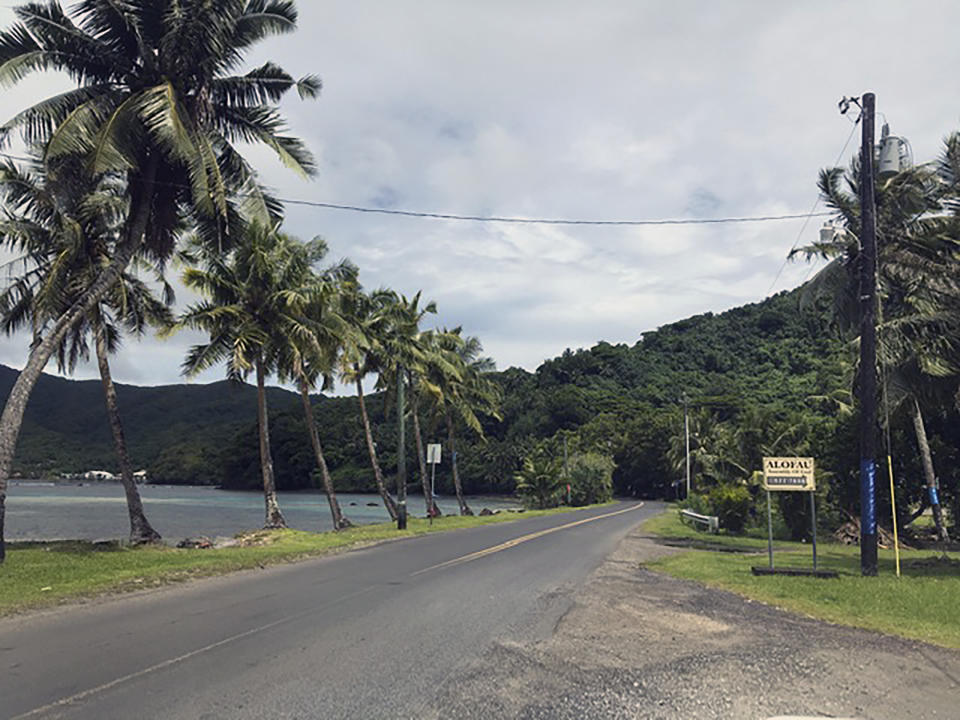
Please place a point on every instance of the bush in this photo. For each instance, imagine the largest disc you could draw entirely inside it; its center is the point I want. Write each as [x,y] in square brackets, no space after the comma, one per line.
[731,503]
[538,482]
[591,479]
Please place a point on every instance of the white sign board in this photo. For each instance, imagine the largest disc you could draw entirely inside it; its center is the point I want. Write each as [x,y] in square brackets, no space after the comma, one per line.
[433,454]
[788,473]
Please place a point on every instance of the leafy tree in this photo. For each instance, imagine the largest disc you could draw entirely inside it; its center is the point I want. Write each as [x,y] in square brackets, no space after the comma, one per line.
[591,479]
[157,104]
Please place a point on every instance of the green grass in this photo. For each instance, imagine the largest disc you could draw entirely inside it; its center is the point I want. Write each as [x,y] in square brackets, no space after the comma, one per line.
[37,575]
[921,605]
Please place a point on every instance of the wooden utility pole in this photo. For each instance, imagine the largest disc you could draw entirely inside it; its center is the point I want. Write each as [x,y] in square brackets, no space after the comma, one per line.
[401,452]
[686,438]
[867,385]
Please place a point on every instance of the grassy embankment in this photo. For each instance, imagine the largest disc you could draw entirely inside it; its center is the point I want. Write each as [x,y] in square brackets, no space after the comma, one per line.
[921,605]
[37,575]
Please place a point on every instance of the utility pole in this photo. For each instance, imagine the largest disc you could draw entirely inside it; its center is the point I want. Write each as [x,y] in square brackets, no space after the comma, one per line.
[401,452]
[868,344]
[686,434]
[566,474]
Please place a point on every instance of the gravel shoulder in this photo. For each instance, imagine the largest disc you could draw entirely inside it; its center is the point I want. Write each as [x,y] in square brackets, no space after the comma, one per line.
[638,644]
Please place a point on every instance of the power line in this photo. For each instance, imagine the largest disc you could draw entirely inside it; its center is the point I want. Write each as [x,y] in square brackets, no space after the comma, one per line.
[546,221]
[520,220]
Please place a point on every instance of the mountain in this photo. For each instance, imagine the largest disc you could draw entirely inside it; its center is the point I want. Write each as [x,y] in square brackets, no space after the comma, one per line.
[65,426]
[615,397]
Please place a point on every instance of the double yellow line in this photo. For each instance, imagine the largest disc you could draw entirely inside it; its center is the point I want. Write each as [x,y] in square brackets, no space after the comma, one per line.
[517,541]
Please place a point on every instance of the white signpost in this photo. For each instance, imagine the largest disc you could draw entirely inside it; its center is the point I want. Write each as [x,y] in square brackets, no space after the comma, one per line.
[434,451]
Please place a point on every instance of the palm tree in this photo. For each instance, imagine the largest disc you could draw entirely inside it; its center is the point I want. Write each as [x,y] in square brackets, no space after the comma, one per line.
[466,391]
[359,358]
[157,102]
[919,332]
[313,362]
[539,481]
[61,267]
[438,360]
[402,357]
[256,305]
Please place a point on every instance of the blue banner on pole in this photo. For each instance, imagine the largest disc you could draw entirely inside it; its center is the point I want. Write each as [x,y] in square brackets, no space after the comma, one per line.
[868,497]
[934,498]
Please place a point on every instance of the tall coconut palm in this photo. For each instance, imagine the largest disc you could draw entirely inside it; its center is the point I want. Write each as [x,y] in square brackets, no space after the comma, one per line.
[61,265]
[313,362]
[401,356]
[358,359]
[438,360]
[465,394]
[256,301]
[157,101]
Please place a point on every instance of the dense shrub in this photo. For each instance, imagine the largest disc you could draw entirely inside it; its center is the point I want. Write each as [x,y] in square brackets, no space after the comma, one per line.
[591,479]
[538,482]
[731,503]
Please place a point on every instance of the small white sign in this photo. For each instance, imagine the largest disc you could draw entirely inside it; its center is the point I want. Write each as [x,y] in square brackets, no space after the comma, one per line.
[433,454]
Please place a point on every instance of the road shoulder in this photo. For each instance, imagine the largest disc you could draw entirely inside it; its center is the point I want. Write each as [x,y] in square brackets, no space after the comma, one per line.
[639,644]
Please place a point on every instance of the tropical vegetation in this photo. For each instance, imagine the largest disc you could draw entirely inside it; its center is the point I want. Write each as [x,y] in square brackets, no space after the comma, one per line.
[138,169]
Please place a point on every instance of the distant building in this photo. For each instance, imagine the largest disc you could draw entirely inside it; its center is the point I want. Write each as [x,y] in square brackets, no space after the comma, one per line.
[99,475]
[140,476]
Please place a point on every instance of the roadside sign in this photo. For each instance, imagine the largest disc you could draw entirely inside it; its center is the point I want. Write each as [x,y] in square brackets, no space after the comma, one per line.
[433,454]
[788,473]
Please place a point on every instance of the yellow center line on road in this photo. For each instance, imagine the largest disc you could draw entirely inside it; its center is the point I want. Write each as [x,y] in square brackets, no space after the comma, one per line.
[517,541]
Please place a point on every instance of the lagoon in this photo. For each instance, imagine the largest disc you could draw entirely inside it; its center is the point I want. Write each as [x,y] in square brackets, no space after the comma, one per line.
[48,511]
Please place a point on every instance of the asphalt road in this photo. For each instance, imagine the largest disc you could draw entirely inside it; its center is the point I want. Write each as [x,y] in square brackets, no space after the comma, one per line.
[379,632]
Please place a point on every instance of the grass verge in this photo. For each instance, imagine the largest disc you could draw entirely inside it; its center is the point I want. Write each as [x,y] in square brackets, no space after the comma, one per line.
[37,575]
[921,605]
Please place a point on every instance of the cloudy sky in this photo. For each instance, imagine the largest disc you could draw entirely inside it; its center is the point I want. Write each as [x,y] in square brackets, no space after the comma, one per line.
[608,110]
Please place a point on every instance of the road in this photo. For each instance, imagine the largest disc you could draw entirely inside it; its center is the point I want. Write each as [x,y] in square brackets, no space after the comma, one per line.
[377,632]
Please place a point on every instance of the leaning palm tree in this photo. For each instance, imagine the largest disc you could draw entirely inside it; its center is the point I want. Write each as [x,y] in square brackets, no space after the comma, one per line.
[256,301]
[312,362]
[466,392]
[438,360]
[157,102]
[401,356]
[61,266]
[359,358]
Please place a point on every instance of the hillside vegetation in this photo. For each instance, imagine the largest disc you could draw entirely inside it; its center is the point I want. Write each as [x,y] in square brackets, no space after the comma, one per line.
[758,355]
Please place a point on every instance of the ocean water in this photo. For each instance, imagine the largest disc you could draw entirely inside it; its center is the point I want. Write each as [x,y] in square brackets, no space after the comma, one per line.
[43,511]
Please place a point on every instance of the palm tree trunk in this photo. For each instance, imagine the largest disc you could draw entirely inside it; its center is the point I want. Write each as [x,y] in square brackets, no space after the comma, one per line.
[275,519]
[929,474]
[141,532]
[16,405]
[432,509]
[339,521]
[377,474]
[464,508]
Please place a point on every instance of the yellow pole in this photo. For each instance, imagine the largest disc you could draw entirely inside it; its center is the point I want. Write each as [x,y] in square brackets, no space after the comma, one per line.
[893,503]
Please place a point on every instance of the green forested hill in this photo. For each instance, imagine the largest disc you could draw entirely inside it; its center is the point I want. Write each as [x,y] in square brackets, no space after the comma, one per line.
[621,399]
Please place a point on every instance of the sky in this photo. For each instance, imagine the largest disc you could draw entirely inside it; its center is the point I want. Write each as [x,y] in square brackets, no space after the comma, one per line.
[607,110]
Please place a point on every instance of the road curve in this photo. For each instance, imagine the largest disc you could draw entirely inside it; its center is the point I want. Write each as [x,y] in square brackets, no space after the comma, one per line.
[376,632]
